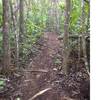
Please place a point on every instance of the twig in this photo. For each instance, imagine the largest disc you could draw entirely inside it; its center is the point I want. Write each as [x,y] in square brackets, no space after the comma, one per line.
[40,93]
[40,70]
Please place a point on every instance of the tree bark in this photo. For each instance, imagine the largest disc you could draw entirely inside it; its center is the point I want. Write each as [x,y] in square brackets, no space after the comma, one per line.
[16,33]
[21,28]
[21,20]
[66,36]
[83,36]
[6,44]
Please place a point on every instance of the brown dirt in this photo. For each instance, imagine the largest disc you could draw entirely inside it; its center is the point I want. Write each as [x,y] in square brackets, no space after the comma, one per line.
[50,50]
[43,71]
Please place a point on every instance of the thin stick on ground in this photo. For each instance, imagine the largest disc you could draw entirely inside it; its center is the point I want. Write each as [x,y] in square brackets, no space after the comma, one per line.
[40,93]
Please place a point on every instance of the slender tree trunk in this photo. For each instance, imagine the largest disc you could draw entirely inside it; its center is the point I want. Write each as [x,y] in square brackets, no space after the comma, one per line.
[6,45]
[66,36]
[88,19]
[57,16]
[21,20]
[16,35]
[83,36]
[21,27]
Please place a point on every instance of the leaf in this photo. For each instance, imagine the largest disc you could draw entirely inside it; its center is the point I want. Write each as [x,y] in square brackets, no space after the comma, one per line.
[2,84]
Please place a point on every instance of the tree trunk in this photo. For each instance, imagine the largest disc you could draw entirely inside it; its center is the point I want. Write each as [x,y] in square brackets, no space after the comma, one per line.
[16,33]
[6,46]
[21,27]
[21,20]
[66,36]
[83,36]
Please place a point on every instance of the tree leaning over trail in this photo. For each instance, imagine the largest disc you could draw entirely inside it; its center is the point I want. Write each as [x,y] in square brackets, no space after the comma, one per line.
[66,36]
[6,46]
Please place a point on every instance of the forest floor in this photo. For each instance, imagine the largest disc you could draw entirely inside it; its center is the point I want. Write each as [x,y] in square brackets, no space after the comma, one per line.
[43,68]
[43,78]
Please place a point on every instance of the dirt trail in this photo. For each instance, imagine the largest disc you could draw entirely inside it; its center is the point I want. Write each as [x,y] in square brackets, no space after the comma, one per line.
[44,73]
[43,78]
[43,66]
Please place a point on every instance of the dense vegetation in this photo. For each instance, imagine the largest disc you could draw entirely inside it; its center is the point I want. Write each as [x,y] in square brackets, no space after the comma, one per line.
[24,22]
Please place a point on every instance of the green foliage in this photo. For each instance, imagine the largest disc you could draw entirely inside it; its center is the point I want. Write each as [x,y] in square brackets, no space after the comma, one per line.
[36,18]
[75,16]
[35,23]
[2,84]
[62,6]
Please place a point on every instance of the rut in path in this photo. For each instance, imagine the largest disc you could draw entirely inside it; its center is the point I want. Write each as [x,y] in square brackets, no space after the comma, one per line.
[42,67]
